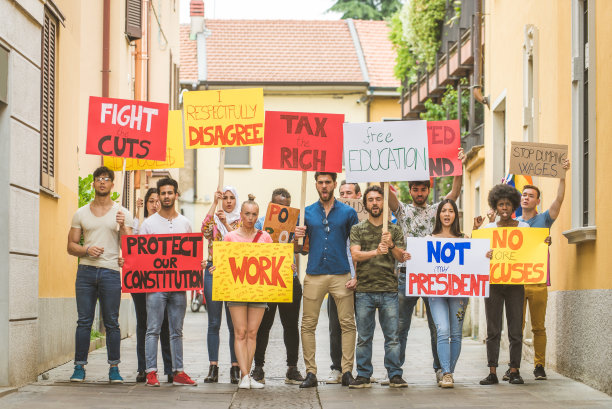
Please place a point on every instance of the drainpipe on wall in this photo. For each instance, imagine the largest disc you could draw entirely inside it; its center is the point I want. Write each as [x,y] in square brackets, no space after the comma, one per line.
[198,33]
[105,52]
[477,87]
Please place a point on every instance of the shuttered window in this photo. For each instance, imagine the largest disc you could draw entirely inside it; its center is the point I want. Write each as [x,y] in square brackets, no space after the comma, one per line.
[47,102]
[133,19]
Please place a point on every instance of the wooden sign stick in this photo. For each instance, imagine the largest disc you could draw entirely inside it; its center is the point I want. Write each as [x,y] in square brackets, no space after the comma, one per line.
[386,209]
[221,171]
[140,193]
[303,204]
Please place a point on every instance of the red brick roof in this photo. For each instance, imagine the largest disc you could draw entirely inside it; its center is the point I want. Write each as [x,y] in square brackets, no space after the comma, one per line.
[290,51]
[378,52]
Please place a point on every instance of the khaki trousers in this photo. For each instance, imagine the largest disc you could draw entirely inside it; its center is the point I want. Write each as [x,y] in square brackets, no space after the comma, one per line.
[315,288]
[537,297]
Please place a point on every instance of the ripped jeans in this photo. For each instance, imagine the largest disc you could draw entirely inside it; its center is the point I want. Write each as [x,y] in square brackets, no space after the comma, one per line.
[448,314]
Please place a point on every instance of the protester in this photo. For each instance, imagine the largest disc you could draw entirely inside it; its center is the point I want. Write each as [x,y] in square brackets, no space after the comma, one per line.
[448,312]
[247,316]
[417,220]
[98,277]
[289,315]
[166,221]
[327,224]
[375,254]
[151,206]
[215,226]
[504,199]
[347,191]
[536,295]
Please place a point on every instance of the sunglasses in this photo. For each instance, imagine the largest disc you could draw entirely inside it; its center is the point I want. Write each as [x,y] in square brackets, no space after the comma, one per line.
[326,225]
[103,179]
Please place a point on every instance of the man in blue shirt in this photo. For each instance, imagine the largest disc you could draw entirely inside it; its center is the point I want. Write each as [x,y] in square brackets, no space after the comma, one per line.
[328,225]
[537,294]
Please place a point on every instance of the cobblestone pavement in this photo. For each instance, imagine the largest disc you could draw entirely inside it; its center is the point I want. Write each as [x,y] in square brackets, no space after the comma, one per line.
[57,392]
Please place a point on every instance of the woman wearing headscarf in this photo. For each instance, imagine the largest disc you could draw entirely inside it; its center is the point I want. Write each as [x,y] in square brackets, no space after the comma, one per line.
[216,225]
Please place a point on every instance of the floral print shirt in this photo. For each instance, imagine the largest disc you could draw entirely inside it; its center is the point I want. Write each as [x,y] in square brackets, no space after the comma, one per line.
[416,221]
[212,233]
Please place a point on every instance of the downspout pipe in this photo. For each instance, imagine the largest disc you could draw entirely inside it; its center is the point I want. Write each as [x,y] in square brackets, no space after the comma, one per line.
[106,48]
[477,87]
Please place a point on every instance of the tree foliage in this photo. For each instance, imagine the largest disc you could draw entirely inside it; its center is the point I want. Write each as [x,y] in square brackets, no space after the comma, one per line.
[86,191]
[366,9]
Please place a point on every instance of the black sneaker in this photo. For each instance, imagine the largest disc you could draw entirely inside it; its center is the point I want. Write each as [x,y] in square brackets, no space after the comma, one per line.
[397,382]
[170,378]
[347,378]
[359,382]
[491,379]
[141,377]
[258,374]
[506,376]
[293,376]
[539,373]
[310,381]
[515,378]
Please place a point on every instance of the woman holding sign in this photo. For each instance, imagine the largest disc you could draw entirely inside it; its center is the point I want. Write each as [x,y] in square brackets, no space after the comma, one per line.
[448,312]
[216,225]
[247,316]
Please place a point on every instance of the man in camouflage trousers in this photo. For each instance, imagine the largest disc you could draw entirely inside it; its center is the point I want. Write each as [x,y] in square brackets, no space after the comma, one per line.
[375,253]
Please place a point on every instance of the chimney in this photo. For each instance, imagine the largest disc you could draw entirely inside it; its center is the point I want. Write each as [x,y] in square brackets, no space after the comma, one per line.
[196,11]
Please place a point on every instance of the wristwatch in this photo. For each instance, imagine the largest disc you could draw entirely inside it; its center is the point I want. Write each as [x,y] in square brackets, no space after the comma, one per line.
[391,248]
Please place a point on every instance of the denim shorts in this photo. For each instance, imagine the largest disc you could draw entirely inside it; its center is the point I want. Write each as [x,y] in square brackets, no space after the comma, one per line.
[247,304]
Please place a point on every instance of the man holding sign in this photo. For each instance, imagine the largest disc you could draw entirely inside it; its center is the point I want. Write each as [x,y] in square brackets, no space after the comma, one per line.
[375,253]
[166,221]
[98,276]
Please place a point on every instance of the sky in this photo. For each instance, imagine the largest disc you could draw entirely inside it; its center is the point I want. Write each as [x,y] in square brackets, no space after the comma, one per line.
[263,9]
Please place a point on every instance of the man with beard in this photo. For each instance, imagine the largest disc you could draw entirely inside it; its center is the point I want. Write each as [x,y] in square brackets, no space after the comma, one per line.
[417,219]
[328,224]
[375,253]
[166,221]
[98,275]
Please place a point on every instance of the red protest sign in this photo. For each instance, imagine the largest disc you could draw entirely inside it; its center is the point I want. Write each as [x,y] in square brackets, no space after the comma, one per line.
[303,141]
[444,140]
[127,129]
[162,262]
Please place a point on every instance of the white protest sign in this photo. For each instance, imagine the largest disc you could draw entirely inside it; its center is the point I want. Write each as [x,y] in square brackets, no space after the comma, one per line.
[447,267]
[386,151]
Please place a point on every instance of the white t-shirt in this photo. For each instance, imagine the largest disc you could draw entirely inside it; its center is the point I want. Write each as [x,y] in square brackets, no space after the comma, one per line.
[156,224]
[101,232]
[494,225]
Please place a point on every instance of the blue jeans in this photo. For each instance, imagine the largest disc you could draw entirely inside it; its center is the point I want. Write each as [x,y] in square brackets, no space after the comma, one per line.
[215,312]
[448,314]
[175,302]
[365,315]
[406,308]
[335,335]
[93,283]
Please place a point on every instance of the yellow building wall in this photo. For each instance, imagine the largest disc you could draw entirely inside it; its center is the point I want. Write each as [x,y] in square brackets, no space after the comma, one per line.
[385,108]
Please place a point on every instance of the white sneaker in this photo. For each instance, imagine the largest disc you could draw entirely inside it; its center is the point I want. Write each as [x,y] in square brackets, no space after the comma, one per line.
[256,385]
[385,380]
[373,380]
[335,376]
[245,383]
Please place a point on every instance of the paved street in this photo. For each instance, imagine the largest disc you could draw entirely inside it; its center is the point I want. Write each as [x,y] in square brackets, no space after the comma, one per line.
[57,392]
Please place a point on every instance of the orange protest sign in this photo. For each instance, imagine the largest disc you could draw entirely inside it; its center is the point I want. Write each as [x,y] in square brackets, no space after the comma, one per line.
[280,222]
[254,272]
[520,255]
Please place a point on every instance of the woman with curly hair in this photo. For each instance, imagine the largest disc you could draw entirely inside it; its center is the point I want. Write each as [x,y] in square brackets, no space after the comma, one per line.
[504,200]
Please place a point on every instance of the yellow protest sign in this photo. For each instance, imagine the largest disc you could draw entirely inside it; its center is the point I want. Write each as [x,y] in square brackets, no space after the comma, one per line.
[255,272]
[223,118]
[174,150]
[520,255]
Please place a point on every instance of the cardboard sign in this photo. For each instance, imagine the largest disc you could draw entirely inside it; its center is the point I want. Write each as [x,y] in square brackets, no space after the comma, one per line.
[280,222]
[126,128]
[303,141]
[224,118]
[386,151]
[357,204]
[175,157]
[537,159]
[162,262]
[257,272]
[444,138]
[447,267]
[520,255]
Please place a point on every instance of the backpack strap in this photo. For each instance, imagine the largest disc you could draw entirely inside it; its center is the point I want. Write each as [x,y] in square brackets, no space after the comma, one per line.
[257,236]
